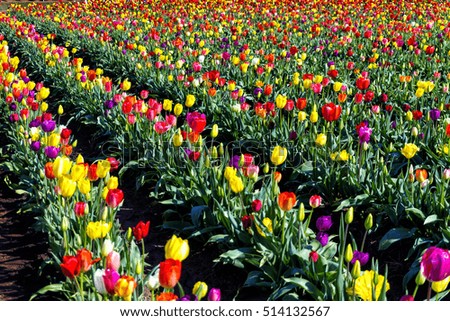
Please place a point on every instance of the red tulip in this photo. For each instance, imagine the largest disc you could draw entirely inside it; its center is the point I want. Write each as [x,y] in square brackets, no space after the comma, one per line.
[286,201]
[80,208]
[256,205]
[114,197]
[70,266]
[49,170]
[169,273]
[301,103]
[141,230]
[114,163]
[331,112]
[362,83]
[315,201]
[92,172]
[85,260]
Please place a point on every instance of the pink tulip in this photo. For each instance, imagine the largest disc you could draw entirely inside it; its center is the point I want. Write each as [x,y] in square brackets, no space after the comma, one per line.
[435,264]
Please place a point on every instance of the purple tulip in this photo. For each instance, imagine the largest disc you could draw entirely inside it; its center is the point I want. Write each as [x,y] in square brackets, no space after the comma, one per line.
[234,161]
[35,123]
[13,118]
[109,104]
[322,237]
[435,114]
[362,257]
[35,146]
[324,223]
[214,294]
[188,297]
[13,107]
[364,134]
[407,297]
[293,135]
[435,264]
[48,125]
[51,151]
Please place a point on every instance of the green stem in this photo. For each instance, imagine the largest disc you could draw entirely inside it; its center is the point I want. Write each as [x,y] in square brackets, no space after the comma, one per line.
[363,241]
[283,227]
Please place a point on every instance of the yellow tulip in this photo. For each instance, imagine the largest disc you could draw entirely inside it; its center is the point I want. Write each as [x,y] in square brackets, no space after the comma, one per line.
[98,229]
[178,109]
[190,100]
[78,172]
[53,140]
[113,182]
[301,116]
[409,150]
[280,101]
[176,248]
[321,140]
[229,172]
[200,290]
[440,286]
[177,139]
[103,167]
[337,86]
[43,93]
[236,184]
[279,155]
[124,287]
[167,105]
[84,186]
[419,92]
[126,85]
[67,186]
[364,285]
[61,166]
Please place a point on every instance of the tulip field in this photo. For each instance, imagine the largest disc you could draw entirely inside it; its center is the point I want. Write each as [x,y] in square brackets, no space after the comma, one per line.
[307,142]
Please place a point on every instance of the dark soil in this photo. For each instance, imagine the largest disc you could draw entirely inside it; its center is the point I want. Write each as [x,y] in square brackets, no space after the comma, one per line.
[22,249]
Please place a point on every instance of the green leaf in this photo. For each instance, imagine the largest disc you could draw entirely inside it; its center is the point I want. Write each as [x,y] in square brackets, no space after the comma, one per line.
[307,286]
[197,214]
[49,288]
[357,200]
[416,212]
[431,219]
[395,235]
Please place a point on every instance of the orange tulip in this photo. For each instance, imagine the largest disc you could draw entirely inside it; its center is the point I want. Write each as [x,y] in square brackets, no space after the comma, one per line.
[421,175]
[286,201]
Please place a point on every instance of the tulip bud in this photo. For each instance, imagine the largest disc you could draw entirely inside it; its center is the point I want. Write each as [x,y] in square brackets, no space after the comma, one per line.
[105,214]
[138,267]
[348,253]
[301,212]
[220,192]
[75,143]
[414,131]
[65,224]
[349,216]
[60,110]
[153,281]
[266,168]
[207,162]
[221,151]
[129,234]
[356,270]
[241,160]
[107,247]
[214,131]
[368,223]
[365,146]
[214,152]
